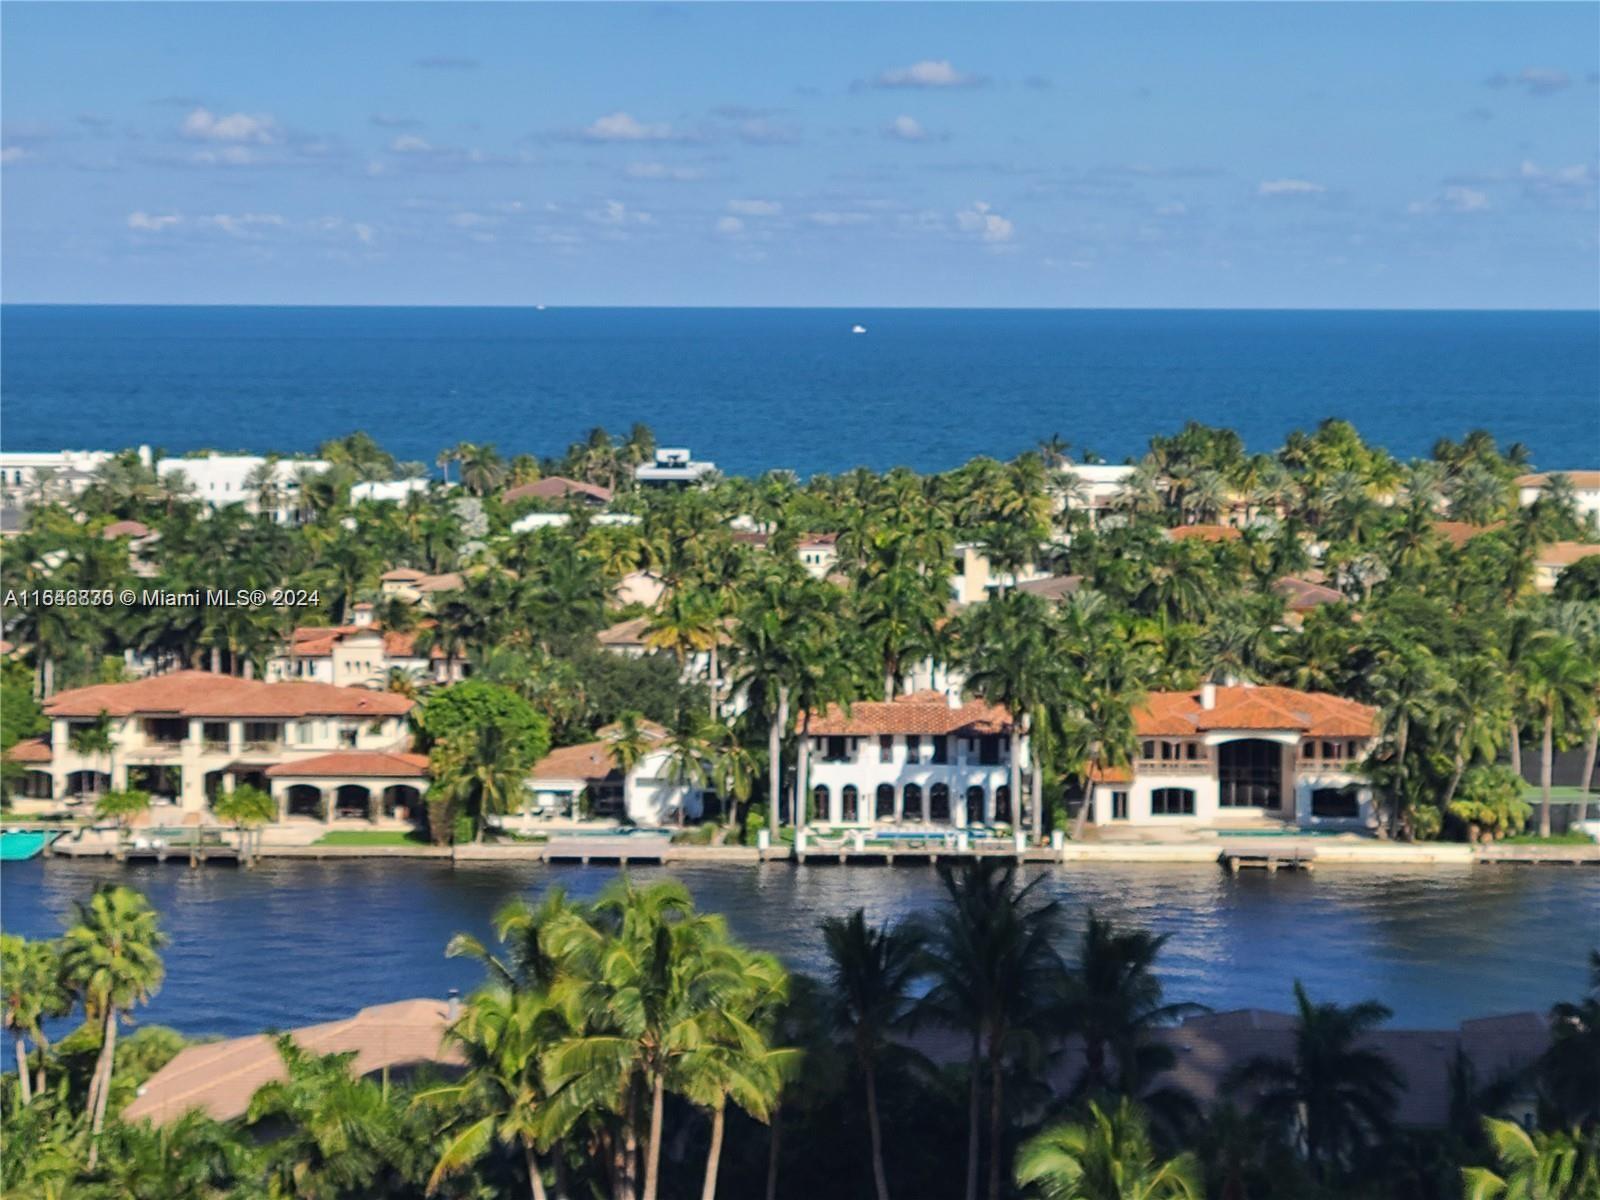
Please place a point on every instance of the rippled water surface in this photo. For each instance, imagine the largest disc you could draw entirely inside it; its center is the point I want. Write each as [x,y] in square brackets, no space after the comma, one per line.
[294,942]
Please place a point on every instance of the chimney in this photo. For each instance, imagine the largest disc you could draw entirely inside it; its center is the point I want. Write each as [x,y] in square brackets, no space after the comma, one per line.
[452,1006]
[952,698]
[363,614]
[1208,695]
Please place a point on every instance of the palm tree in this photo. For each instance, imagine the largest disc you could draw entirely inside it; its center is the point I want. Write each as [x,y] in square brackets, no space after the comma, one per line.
[482,772]
[111,957]
[1540,1166]
[503,1036]
[1559,686]
[629,740]
[94,738]
[30,991]
[1478,706]
[1333,1095]
[874,972]
[190,1158]
[122,807]
[1106,1157]
[244,807]
[1407,690]
[991,959]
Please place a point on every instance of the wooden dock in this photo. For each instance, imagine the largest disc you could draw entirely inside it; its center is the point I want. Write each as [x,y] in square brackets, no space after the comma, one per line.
[1271,859]
[623,849]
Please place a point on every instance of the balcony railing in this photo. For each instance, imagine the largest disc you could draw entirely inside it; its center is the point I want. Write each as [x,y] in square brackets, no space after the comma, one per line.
[1172,766]
[261,744]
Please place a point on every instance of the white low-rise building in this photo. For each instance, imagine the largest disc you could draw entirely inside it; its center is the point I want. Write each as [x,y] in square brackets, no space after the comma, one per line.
[673,467]
[361,654]
[1585,490]
[219,480]
[390,491]
[926,759]
[1092,488]
[586,781]
[64,472]
[1242,755]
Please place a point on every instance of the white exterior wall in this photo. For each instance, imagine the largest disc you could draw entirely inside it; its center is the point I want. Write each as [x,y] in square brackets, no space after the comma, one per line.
[387,491]
[221,479]
[651,798]
[1587,498]
[20,468]
[866,771]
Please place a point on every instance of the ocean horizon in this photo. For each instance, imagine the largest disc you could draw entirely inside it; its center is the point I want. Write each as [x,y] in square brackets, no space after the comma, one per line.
[759,388]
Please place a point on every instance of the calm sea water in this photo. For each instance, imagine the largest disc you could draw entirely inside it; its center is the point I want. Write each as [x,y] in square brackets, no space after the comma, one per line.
[758,388]
[293,942]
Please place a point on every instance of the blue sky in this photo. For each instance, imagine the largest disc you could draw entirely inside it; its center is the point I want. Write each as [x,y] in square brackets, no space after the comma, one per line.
[1142,155]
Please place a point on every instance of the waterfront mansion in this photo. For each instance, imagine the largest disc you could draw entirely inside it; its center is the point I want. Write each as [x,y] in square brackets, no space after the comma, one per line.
[185,737]
[1223,756]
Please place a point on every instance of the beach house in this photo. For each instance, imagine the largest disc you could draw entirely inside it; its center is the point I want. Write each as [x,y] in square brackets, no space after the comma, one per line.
[361,654]
[1242,755]
[219,480]
[1585,490]
[587,780]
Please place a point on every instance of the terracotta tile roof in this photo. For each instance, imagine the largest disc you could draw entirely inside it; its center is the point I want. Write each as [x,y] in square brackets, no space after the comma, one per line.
[450,581]
[817,540]
[921,712]
[1264,708]
[749,537]
[1564,554]
[1303,595]
[318,641]
[1459,533]
[624,633]
[1102,774]
[220,1077]
[202,694]
[556,487]
[354,764]
[30,750]
[591,762]
[402,575]
[1580,479]
[1204,533]
[128,529]
[1052,587]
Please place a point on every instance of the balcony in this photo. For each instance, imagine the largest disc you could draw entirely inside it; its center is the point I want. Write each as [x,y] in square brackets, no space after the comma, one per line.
[1172,766]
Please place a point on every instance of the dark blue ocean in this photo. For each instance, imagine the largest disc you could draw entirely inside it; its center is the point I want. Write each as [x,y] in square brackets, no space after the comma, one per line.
[758,388]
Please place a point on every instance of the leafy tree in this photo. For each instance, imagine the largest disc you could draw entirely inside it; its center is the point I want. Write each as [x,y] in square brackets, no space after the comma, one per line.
[1540,1166]
[30,991]
[1109,1156]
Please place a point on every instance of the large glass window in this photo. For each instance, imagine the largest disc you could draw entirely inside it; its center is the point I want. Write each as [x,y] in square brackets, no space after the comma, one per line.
[939,801]
[1172,802]
[1002,802]
[1249,773]
[1336,802]
[1119,806]
[989,750]
[820,803]
[836,749]
[884,805]
[885,747]
[911,802]
[941,749]
[913,748]
[850,802]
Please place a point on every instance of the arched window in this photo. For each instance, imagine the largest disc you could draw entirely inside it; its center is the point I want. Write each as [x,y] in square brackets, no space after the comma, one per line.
[820,809]
[939,802]
[884,809]
[1002,802]
[1172,802]
[911,802]
[975,798]
[850,800]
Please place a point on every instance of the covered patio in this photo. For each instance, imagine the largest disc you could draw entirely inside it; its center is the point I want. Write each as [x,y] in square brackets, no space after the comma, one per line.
[372,787]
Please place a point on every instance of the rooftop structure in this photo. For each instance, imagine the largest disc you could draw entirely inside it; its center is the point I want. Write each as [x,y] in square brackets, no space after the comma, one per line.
[557,488]
[388,491]
[672,466]
[1585,490]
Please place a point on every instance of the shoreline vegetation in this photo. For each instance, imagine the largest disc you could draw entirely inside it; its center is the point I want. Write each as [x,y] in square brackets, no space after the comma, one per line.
[631,1048]
[1435,613]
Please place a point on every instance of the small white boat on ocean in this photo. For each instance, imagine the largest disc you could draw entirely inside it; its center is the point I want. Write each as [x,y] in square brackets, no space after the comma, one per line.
[858,329]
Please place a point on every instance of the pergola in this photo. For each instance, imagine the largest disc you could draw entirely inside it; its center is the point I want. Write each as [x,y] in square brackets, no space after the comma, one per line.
[369,784]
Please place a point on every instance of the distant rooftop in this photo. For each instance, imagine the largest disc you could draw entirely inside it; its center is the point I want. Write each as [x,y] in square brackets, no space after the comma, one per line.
[673,465]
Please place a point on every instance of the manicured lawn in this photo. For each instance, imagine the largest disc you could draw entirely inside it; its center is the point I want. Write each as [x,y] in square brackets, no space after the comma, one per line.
[1555,839]
[1559,795]
[372,837]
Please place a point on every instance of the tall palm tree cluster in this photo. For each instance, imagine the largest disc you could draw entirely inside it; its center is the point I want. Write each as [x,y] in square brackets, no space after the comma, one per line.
[1438,624]
[631,1048]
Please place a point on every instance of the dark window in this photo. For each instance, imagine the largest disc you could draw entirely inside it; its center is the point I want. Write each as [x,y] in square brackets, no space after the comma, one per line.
[941,749]
[820,803]
[837,750]
[989,750]
[884,809]
[939,801]
[885,748]
[974,804]
[1172,802]
[1248,772]
[911,804]
[1191,750]
[850,801]
[1002,803]
[1336,802]
[1147,750]
[913,748]
[166,729]
[1119,806]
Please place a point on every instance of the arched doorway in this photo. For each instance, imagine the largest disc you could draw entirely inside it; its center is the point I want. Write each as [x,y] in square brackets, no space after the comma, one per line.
[1002,803]
[88,783]
[37,785]
[939,802]
[911,802]
[305,801]
[1250,774]
[850,803]
[352,800]
[821,801]
[402,802]
[883,809]
[975,799]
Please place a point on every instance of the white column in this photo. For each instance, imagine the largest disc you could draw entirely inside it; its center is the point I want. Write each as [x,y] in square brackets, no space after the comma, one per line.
[836,804]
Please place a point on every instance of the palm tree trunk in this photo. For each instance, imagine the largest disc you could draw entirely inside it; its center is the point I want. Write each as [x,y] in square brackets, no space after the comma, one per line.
[995,1105]
[774,1146]
[775,758]
[880,1180]
[1516,747]
[652,1161]
[1398,798]
[1036,787]
[1546,756]
[47,677]
[24,1083]
[1016,769]
[712,672]
[535,1180]
[1590,746]
[43,1044]
[802,774]
[973,1063]
[1087,803]
[102,1092]
[714,1155]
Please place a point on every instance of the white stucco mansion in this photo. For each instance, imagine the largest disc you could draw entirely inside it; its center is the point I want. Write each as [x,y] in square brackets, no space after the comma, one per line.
[924,758]
[1239,755]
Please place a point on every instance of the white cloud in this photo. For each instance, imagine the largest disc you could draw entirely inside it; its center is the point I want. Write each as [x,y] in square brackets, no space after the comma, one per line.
[1465,199]
[663,171]
[1176,209]
[203,125]
[149,223]
[616,213]
[243,225]
[833,219]
[471,220]
[1289,187]
[13,154]
[755,208]
[905,129]
[225,156]
[1536,81]
[982,220]
[731,226]
[410,143]
[625,127]
[929,73]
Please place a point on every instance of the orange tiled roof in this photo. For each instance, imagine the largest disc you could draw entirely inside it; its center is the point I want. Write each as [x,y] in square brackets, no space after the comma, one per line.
[1204,533]
[30,750]
[1304,595]
[318,641]
[921,712]
[590,761]
[1264,708]
[128,529]
[1103,774]
[817,539]
[556,487]
[1580,479]
[1459,533]
[402,575]
[1564,554]
[202,694]
[354,764]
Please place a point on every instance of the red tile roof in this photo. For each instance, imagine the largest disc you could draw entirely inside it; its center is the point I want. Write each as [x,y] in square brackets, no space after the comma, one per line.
[1204,533]
[817,540]
[354,764]
[202,694]
[1263,708]
[1459,533]
[1580,479]
[592,761]
[1303,595]
[1102,774]
[921,712]
[556,487]
[318,641]
[128,529]
[1564,554]
[30,750]
[402,575]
